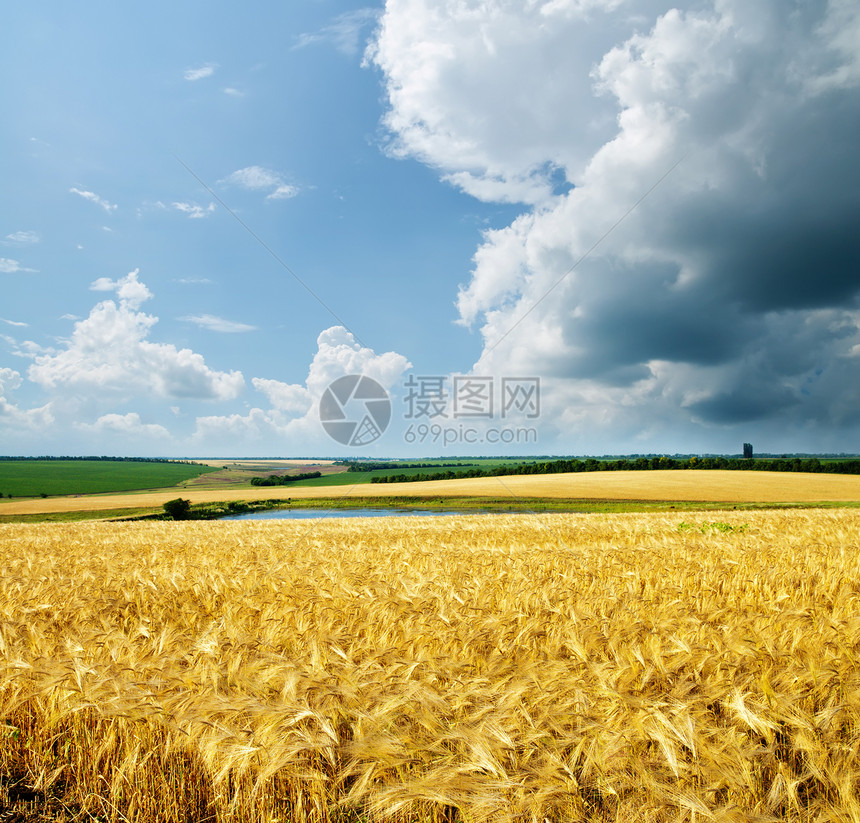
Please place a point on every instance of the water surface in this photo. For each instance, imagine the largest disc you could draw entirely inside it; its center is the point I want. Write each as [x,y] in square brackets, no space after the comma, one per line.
[307,514]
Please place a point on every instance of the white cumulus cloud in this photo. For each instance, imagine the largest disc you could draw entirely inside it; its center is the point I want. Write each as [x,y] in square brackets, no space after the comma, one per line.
[201,72]
[23,238]
[292,415]
[109,351]
[9,380]
[258,178]
[213,323]
[9,266]
[193,210]
[285,397]
[12,418]
[94,198]
[497,96]
[128,425]
[339,354]
[129,289]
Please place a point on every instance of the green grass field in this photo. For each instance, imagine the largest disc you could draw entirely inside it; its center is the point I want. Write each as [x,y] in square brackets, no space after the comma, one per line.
[30,478]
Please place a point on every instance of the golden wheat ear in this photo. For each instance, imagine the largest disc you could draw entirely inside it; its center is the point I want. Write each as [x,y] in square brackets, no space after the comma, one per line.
[647,667]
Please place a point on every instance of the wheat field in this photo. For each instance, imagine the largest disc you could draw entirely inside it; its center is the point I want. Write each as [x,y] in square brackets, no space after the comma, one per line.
[718,486]
[635,667]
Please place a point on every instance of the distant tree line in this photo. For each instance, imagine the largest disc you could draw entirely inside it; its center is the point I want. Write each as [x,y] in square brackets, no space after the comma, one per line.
[368,466]
[283,479]
[639,464]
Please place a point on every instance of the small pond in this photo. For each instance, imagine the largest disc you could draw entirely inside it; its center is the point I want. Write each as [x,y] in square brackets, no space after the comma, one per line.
[306,514]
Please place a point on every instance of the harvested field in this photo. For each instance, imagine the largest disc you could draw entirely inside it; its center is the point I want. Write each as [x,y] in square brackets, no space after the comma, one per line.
[239,472]
[501,667]
[702,486]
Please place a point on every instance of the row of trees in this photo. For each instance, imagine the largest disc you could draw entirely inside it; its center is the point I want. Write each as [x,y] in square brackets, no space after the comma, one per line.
[371,466]
[639,464]
[283,479]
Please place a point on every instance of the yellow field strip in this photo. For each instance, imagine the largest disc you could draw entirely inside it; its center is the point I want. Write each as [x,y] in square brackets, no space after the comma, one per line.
[698,486]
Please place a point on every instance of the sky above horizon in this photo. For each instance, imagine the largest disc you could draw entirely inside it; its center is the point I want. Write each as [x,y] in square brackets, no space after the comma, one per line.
[541,227]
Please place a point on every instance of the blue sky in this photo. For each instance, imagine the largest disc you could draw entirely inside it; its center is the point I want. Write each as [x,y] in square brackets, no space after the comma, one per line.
[209,213]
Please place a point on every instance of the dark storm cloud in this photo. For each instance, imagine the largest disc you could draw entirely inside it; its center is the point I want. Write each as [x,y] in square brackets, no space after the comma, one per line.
[627,316]
[730,293]
[786,237]
[744,404]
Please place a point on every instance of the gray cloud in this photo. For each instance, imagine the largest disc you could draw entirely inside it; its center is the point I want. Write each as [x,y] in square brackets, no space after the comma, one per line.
[730,294]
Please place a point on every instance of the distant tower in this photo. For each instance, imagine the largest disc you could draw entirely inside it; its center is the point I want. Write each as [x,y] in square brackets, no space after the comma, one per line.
[748,450]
